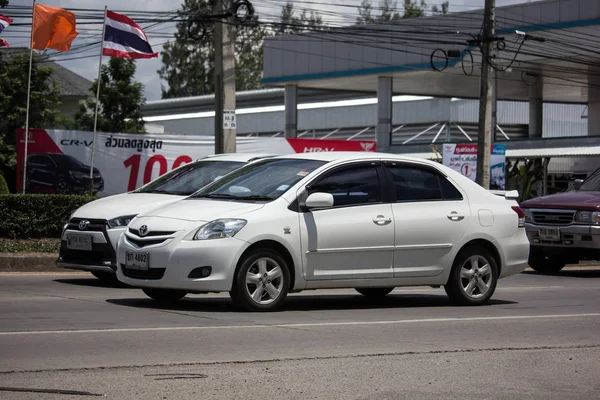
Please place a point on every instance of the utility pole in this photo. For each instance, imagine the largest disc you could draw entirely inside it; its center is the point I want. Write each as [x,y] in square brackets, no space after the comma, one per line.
[484,138]
[225,120]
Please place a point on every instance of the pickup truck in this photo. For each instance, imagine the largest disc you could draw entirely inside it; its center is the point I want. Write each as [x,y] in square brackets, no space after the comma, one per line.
[564,228]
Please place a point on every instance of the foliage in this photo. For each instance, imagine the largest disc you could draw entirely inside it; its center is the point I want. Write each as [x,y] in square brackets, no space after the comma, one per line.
[32,216]
[120,100]
[188,61]
[524,176]
[389,11]
[3,186]
[43,107]
[50,245]
[3,3]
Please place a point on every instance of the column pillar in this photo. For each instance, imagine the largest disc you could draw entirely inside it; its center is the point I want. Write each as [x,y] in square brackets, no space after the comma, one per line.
[383,132]
[593,106]
[291,111]
[536,109]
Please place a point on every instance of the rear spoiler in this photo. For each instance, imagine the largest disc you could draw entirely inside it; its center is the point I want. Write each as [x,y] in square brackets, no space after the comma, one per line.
[508,194]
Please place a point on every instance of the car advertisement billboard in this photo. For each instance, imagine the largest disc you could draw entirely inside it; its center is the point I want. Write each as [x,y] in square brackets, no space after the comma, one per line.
[463,158]
[58,161]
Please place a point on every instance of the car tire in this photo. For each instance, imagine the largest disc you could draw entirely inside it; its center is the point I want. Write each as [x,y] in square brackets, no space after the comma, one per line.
[374,292]
[105,276]
[165,295]
[250,291]
[543,264]
[470,283]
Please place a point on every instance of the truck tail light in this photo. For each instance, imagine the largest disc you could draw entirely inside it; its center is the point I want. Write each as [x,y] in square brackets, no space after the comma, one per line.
[521,215]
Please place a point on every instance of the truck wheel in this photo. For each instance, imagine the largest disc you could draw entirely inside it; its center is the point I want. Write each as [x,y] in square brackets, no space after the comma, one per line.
[544,264]
[473,278]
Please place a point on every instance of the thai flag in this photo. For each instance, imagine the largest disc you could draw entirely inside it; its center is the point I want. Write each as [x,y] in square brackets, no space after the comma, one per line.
[123,38]
[3,43]
[4,22]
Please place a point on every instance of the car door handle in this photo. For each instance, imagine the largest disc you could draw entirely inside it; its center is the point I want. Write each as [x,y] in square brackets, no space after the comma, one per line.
[455,217]
[381,220]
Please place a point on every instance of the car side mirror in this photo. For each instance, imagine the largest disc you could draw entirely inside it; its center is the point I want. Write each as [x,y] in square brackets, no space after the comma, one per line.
[577,184]
[319,200]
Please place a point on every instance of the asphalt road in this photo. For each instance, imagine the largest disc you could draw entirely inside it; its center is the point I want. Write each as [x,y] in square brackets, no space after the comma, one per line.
[538,339]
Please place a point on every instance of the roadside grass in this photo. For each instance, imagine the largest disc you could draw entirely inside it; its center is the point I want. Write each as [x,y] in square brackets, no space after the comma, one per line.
[49,245]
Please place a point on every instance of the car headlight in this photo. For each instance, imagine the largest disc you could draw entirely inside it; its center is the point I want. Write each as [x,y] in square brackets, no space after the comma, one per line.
[219,229]
[588,217]
[120,221]
[528,215]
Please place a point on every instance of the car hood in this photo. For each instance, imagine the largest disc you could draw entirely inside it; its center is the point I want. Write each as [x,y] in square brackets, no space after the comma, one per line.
[202,210]
[124,204]
[571,200]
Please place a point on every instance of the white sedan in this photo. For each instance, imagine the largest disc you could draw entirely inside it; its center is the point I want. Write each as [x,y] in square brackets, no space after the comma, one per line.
[369,221]
[90,236]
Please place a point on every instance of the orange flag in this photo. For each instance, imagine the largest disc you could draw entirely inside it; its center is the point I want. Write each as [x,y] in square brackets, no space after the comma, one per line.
[53,28]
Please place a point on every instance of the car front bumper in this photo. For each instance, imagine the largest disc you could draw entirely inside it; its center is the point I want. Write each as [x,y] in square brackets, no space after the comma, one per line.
[170,264]
[571,236]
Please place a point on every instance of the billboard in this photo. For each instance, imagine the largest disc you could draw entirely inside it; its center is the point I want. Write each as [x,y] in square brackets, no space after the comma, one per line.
[59,160]
[463,158]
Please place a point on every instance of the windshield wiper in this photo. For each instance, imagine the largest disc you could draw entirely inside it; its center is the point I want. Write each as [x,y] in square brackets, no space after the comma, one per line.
[234,197]
[156,191]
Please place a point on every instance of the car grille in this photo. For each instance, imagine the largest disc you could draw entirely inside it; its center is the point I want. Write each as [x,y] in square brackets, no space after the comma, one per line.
[151,274]
[151,233]
[144,243]
[95,225]
[553,217]
[100,253]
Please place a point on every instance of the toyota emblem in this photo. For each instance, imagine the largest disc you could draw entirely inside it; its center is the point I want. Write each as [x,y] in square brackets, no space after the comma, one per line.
[143,230]
[83,224]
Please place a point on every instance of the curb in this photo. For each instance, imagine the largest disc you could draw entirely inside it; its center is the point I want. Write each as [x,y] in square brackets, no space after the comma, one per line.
[28,262]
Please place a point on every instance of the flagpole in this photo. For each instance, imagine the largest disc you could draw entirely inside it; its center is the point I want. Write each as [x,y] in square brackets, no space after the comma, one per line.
[97,103]
[28,97]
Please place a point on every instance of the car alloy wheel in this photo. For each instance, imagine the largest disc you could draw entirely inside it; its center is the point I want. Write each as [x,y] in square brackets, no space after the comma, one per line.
[473,277]
[261,282]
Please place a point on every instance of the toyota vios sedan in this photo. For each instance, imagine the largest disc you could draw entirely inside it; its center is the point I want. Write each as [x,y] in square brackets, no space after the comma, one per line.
[90,237]
[368,221]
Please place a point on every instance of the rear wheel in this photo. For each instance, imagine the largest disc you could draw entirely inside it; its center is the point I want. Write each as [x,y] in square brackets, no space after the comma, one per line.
[374,292]
[165,295]
[473,278]
[262,281]
[544,264]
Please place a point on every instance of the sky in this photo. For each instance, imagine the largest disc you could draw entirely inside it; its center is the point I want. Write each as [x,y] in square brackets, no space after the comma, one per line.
[84,61]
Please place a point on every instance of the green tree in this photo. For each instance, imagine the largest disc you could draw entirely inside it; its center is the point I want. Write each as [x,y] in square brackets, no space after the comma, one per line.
[188,61]
[120,100]
[388,11]
[291,23]
[3,3]
[43,105]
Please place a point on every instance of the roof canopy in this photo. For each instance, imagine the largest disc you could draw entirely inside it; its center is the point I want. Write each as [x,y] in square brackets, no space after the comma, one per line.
[549,45]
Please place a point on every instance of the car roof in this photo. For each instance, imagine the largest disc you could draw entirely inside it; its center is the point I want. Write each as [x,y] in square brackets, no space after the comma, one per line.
[242,157]
[341,156]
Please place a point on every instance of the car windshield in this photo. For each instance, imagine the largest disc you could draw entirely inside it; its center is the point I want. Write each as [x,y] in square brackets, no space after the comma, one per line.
[592,182]
[264,180]
[189,178]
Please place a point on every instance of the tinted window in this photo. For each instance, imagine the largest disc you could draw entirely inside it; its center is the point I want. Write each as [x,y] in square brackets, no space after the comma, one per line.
[68,162]
[592,183]
[190,178]
[352,186]
[261,180]
[416,184]
[35,159]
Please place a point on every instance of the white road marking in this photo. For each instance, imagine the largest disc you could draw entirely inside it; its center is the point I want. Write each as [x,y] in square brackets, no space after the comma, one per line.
[302,325]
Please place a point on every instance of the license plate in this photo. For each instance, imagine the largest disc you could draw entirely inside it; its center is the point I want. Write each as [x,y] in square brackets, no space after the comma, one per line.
[79,242]
[137,260]
[549,234]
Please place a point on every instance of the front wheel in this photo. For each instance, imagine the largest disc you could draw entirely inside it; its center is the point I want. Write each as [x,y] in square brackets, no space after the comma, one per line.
[165,295]
[262,281]
[544,264]
[473,278]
